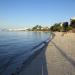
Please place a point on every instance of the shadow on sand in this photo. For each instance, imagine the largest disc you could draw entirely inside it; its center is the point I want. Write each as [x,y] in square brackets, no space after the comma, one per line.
[64,54]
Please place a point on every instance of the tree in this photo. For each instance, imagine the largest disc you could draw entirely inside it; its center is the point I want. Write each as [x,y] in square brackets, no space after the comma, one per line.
[37,28]
[56,27]
[72,23]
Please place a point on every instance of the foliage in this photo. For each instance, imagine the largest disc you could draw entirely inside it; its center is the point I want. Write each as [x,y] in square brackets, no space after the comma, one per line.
[72,23]
[40,28]
[37,27]
[69,28]
[56,27]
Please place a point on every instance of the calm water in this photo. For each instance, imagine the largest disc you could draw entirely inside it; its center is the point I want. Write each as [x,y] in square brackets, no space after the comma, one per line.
[15,47]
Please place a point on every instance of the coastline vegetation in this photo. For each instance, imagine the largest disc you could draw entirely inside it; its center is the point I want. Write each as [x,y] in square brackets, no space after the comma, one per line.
[57,27]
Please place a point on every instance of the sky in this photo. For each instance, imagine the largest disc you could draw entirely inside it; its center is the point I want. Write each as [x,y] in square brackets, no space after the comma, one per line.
[28,13]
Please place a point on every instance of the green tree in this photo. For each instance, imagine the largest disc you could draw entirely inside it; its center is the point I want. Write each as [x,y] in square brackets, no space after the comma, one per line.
[37,28]
[72,23]
[56,27]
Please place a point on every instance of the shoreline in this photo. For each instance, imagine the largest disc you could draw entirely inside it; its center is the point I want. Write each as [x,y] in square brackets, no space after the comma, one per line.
[58,58]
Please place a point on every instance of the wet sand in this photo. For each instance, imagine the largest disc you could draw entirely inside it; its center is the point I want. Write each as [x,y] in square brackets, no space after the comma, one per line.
[57,58]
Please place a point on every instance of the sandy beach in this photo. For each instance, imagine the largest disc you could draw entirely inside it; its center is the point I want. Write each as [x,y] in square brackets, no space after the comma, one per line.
[60,55]
[57,58]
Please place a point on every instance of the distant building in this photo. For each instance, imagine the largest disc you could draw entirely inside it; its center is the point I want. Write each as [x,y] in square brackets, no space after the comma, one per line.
[65,23]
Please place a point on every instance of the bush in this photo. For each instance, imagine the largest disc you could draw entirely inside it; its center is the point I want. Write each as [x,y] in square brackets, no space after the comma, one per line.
[56,27]
[69,28]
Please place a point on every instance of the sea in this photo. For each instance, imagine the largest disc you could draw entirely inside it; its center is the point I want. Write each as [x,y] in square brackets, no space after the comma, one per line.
[16,47]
